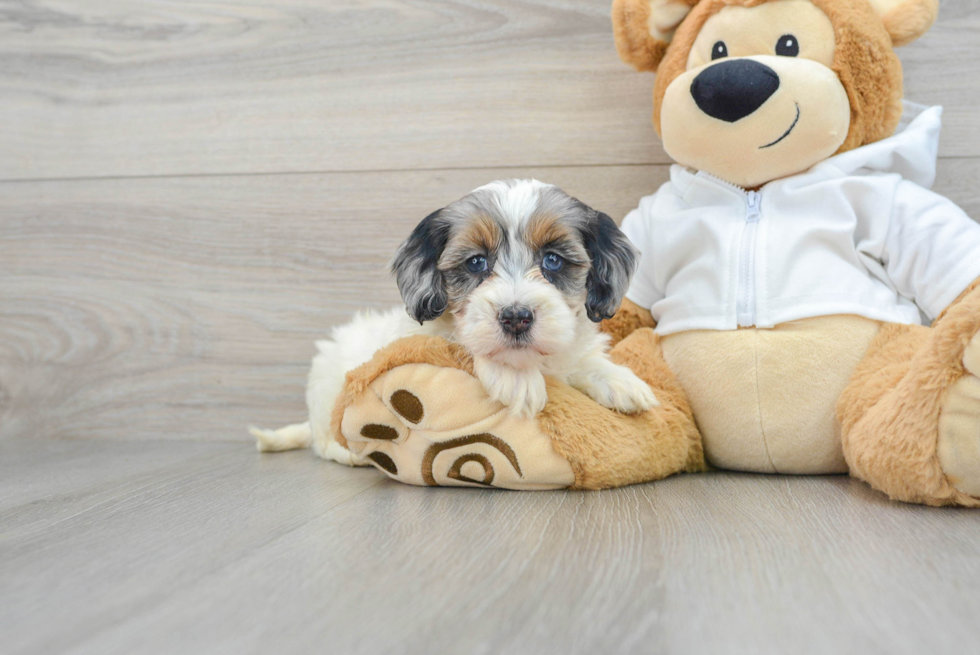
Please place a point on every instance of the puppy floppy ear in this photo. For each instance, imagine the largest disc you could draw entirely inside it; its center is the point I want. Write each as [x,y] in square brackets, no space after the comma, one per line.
[906,20]
[644,28]
[613,262]
[421,283]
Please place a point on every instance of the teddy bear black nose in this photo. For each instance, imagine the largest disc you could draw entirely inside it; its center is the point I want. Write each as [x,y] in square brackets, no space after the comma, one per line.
[733,89]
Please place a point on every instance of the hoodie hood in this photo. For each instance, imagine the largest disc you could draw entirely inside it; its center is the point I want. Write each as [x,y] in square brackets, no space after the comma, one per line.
[911,151]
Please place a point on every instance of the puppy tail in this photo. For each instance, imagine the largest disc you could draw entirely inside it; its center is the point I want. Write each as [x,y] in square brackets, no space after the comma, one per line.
[290,437]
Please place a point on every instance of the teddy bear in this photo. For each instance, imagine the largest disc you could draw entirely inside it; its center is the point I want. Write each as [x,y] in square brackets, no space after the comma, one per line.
[777,308]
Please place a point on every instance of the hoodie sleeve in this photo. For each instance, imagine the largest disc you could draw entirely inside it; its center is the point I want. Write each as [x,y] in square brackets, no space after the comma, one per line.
[932,248]
[642,290]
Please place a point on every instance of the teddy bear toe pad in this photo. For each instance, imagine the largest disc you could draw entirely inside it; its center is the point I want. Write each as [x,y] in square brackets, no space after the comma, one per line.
[959,426]
[433,426]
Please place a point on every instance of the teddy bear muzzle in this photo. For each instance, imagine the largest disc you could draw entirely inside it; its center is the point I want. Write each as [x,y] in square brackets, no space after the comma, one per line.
[734,89]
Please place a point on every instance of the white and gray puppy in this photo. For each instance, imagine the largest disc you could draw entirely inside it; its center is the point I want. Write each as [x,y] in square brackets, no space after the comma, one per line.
[517,272]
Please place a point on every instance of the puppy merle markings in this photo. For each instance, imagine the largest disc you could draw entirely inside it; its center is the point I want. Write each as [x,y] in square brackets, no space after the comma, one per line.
[416,269]
[613,262]
[524,271]
[519,273]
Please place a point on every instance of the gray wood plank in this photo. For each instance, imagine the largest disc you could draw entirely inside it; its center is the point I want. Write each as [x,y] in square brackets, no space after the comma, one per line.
[186,308]
[32,469]
[114,527]
[113,88]
[239,552]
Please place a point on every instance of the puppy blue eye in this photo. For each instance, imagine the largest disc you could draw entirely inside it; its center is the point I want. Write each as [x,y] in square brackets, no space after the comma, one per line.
[552,262]
[719,50]
[477,264]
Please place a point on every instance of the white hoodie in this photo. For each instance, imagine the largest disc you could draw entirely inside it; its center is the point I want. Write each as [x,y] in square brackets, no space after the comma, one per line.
[859,233]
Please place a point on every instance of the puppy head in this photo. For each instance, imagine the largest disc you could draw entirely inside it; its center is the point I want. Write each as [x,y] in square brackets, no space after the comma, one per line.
[516,263]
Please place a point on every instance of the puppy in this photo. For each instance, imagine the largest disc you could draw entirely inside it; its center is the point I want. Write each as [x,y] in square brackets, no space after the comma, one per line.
[518,273]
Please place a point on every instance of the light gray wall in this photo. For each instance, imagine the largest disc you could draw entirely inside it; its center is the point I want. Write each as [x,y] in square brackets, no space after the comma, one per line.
[190,193]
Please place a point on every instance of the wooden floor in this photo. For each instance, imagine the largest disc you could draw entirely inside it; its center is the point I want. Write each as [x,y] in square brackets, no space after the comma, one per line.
[191,192]
[164,547]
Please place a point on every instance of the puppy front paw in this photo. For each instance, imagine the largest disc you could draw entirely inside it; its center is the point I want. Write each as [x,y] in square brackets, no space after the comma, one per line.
[523,391]
[618,388]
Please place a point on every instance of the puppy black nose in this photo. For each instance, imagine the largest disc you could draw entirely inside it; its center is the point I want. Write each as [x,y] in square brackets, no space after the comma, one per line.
[734,89]
[516,319]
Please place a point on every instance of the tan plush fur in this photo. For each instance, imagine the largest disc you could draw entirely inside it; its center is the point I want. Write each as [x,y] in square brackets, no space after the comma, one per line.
[411,350]
[603,447]
[958,448]
[764,399]
[630,318]
[863,44]
[887,419]
[907,20]
[890,411]
[631,27]
[436,426]
[633,41]
[607,449]
[868,68]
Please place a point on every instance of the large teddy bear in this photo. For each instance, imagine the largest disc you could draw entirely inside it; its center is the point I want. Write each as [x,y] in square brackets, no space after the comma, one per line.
[776,308]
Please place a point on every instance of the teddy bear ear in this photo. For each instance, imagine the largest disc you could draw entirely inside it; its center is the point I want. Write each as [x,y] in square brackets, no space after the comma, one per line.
[906,20]
[643,28]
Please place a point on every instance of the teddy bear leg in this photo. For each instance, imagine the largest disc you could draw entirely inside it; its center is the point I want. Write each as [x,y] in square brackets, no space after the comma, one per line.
[910,417]
[418,413]
[610,449]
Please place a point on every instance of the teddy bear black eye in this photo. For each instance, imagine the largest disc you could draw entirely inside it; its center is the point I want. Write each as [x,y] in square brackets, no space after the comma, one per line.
[787,46]
[719,50]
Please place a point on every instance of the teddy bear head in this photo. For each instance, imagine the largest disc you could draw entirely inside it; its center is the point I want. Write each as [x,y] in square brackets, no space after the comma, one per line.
[754,90]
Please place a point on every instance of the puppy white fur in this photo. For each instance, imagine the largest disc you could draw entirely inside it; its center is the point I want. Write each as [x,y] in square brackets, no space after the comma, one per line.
[517,272]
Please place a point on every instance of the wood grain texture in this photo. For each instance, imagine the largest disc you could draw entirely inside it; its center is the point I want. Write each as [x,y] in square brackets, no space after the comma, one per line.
[186,308]
[197,190]
[177,87]
[222,550]
[116,527]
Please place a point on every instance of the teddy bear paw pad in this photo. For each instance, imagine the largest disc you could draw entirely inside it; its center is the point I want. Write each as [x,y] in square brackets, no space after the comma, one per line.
[958,446]
[433,426]
[971,356]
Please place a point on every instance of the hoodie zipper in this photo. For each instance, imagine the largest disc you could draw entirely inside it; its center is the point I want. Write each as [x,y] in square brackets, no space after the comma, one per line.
[746,300]
[745,297]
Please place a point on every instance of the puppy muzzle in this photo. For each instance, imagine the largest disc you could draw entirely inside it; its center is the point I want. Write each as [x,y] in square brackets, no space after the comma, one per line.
[515,320]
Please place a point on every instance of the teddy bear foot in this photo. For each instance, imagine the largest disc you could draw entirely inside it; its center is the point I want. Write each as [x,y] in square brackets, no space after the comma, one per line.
[433,426]
[959,426]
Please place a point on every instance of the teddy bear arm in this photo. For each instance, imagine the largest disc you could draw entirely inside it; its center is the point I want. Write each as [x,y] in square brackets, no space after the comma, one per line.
[628,319]
[417,413]
[967,293]
[608,449]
